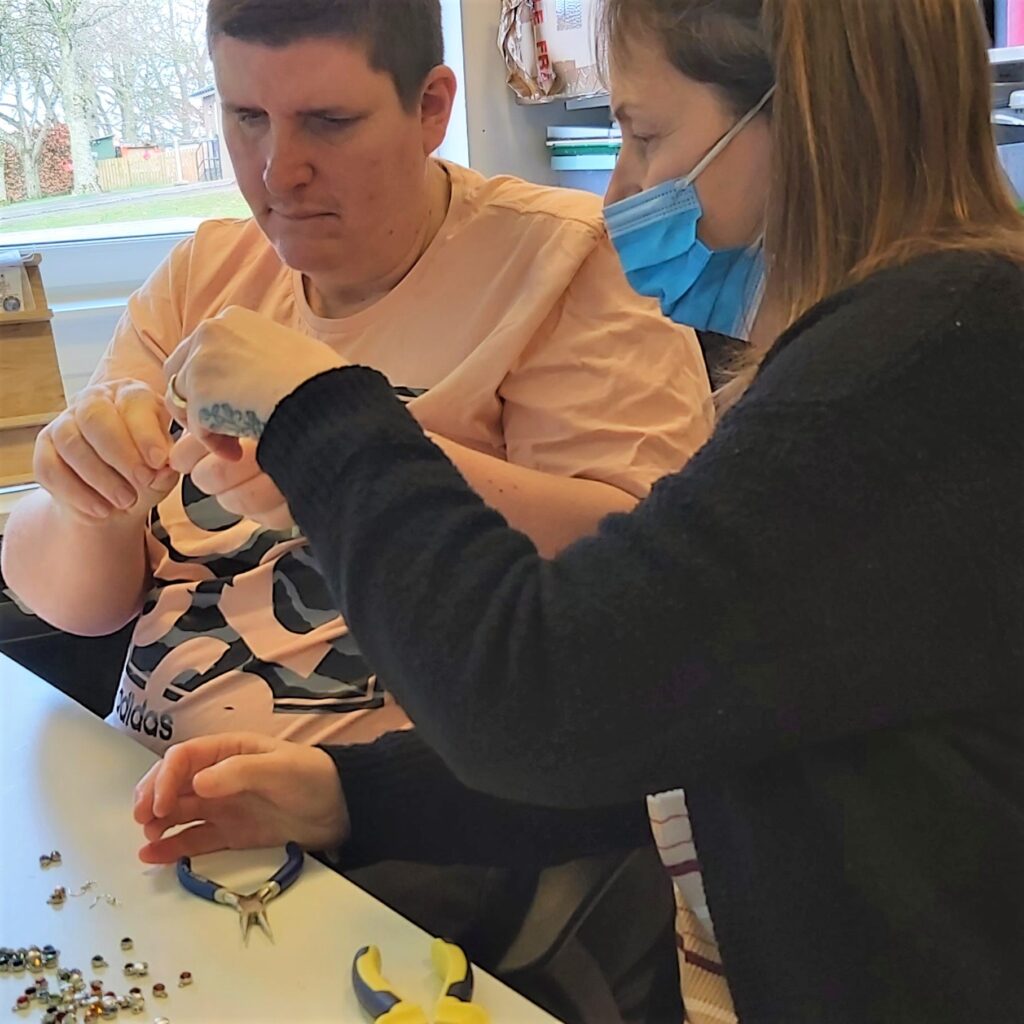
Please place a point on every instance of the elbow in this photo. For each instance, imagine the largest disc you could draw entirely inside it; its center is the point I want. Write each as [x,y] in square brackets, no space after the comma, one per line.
[32,595]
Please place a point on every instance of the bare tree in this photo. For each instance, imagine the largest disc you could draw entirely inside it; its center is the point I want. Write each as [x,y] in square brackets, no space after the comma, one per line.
[124,66]
[151,58]
[66,22]
[27,92]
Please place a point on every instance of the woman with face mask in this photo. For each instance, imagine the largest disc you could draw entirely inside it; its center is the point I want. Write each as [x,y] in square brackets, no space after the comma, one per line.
[809,643]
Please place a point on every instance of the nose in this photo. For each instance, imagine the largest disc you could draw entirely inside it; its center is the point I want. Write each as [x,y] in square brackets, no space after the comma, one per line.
[287,166]
[623,184]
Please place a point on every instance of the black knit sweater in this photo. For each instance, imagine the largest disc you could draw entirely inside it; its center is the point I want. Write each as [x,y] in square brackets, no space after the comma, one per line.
[817,628]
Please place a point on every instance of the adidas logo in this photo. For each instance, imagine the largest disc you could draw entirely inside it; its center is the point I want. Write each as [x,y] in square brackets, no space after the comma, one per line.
[135,717]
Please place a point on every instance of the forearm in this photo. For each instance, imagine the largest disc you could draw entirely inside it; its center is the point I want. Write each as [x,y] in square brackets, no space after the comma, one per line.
[553,511]
[84,578]
[403,803]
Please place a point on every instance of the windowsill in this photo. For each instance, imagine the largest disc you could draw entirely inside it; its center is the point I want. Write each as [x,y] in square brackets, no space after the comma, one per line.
[100,232]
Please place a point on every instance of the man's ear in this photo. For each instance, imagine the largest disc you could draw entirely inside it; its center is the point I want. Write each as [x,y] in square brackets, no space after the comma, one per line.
[437,97]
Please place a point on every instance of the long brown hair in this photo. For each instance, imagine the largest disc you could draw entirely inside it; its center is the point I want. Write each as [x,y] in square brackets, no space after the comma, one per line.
[882,142]
[718,42]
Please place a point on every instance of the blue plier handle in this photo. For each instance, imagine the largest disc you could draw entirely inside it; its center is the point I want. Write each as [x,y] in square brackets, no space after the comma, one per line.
[251,907]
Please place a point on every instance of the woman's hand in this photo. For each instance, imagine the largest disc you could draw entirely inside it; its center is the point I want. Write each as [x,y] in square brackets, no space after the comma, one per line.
[230,374]
[238,791]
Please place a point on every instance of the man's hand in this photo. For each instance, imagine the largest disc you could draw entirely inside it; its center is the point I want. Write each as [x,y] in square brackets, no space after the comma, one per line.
[107,453]
[237,791]
[240,487]
[230,374]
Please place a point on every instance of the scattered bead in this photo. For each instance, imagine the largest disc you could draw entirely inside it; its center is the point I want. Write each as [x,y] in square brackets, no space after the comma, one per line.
[161,1020]
[184,979]
[22,1003]
[160,990]
[58,896]
[126,944]
[98,961]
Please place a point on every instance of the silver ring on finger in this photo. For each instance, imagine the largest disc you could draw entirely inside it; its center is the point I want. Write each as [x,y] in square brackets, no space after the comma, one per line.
[173,396]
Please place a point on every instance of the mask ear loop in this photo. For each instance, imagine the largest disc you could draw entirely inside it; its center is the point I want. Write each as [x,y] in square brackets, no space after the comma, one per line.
[728,137]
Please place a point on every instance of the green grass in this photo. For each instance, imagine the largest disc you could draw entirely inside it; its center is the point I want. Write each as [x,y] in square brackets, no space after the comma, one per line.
[222,203]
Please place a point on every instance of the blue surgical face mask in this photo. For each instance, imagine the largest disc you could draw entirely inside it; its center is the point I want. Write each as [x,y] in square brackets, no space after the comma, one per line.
[655,234]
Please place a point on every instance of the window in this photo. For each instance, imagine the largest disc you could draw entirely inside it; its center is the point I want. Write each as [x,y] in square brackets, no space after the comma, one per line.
[109,123]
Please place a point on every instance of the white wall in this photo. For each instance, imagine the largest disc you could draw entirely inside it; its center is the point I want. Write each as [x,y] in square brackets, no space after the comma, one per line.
[505,137]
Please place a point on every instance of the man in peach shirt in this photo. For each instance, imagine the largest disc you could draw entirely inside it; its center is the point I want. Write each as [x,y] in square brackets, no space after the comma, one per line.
[496,308]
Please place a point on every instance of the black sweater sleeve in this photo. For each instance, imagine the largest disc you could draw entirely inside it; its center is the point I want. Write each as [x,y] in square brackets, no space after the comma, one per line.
[405,804]
[811,574]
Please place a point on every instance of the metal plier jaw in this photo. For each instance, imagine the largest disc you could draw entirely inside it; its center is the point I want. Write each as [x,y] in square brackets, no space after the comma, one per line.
[251,907]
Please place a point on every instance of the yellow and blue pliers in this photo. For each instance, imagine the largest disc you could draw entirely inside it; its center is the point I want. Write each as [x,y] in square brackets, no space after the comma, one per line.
[385,1006]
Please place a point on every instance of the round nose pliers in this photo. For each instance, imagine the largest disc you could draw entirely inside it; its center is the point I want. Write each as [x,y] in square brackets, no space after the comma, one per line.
[251,907]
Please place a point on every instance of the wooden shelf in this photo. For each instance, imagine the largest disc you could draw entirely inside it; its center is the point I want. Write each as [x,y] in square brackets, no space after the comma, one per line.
[31,389]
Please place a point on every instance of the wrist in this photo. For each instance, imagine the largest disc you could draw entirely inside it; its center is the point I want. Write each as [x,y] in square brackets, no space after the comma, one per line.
[336,826]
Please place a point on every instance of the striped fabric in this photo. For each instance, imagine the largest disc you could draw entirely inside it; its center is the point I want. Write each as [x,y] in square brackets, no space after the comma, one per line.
[706,995]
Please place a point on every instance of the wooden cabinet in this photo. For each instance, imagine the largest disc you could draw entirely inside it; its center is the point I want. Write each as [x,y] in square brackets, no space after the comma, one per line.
[31,390]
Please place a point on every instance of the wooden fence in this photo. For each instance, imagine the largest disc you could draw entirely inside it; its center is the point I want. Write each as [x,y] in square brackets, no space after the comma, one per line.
[139,170]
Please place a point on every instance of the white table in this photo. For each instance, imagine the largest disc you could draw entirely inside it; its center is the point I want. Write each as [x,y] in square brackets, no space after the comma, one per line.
[66,783]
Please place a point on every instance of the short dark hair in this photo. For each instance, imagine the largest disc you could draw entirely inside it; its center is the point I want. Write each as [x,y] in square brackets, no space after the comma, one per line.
[402,37]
